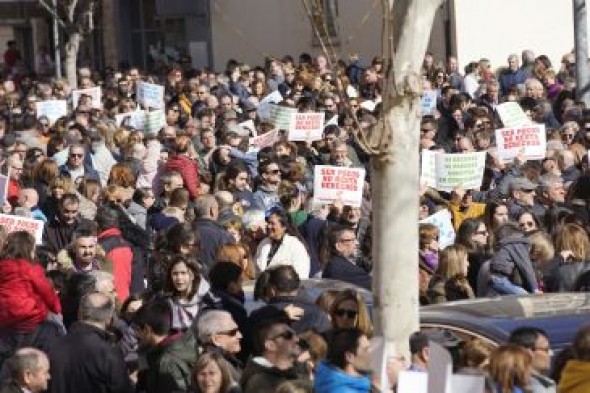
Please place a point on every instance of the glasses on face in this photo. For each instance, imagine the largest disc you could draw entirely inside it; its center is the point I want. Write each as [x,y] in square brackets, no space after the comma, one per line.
[76,155]
[287,335]
[547,350]
[567,136]
[350,314]
[231,333]
[527,224]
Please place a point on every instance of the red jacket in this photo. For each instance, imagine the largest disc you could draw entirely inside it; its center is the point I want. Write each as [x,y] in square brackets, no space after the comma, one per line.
[122,259]
[188,169]
[26,295]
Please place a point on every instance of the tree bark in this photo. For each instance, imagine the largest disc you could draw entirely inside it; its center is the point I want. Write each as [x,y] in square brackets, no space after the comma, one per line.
[395,173]
[581,41]
[72,47]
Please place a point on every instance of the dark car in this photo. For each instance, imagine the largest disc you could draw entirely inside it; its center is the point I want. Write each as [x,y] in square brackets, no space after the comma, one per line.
[492,319]
[561,315]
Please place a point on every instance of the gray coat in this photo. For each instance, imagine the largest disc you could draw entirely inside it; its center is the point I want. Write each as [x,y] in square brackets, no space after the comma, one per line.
[512,259]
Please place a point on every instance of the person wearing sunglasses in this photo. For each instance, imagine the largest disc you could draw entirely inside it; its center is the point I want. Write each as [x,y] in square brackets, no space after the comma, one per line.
[77,166]
[343,263]
[275,348]
[349,311]
[217,331]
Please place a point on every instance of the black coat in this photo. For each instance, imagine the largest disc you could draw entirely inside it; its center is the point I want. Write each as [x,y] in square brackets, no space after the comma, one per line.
[86,361]
[212,237]
[258,378]
[340,268]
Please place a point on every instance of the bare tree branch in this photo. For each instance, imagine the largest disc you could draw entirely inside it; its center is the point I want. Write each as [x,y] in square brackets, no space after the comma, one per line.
[53,12]
[72,10]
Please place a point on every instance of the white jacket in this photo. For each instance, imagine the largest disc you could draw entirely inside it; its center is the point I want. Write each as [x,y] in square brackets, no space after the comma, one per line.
[291,252]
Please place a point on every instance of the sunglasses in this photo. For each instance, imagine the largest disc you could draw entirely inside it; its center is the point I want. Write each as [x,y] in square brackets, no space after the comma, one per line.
[287,335]
[527,224]
[350,314]
[231,333]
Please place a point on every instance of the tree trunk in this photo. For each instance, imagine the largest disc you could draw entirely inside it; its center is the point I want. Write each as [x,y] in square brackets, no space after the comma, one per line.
[72,48]
[395,173]
[581,40]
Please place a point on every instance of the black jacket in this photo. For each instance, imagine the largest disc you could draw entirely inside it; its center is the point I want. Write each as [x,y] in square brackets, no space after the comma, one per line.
[212,236]
[314,318]
[86,361]
[340,268]
[57,235]
[261,377]
[562,276]
[170,364]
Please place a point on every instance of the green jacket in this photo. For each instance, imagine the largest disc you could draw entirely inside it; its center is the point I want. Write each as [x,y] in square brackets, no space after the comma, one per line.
[171,363]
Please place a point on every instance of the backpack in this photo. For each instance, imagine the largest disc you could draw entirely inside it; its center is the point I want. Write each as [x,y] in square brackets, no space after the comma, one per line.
[138,262]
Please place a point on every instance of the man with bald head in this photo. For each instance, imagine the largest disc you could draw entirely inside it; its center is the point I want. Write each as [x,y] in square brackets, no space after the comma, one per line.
[29,372]
[84,360]
[29,198]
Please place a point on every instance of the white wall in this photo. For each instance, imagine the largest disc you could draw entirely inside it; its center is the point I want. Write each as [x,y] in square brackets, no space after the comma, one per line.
[495,29]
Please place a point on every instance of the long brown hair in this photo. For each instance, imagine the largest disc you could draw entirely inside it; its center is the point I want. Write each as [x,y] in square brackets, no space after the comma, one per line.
[363,321]
[510,366]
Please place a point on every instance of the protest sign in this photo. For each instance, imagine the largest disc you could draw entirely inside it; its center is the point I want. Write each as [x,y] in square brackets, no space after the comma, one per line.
[428,102]
[440,368]
[264,140]
[448,171]
[307,127]
[512,115]
[264,106]
[154,121]
[136,119]
[53,109]
[150,95]
[333,183]
[94,92]
[249,126]
[280,116]
[412,382]
[332,121]
[18,223]
[467,383]
[442,220]
[4,181]
[531,141]
[380,352]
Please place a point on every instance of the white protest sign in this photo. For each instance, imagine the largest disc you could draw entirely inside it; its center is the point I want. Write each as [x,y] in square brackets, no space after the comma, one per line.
[280,116]
[368,105]
[467,383]
[154,121]
[530,140]
[443,221]
[94,92]
[248,125]
[333,121]
[428,102]
[440,369]
[380,352]
[332,183]
[150,95]
[264,140]
[448,171]
[53,109]
[136,119]
[512,115]
[17,223]
[264,106]
[4,182]
[412,382]
[307,127]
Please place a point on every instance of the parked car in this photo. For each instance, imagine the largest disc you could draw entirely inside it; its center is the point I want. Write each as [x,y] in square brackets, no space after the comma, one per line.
[491,319]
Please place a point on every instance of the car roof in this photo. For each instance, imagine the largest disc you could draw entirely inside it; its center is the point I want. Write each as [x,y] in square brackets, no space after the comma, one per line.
[558,314]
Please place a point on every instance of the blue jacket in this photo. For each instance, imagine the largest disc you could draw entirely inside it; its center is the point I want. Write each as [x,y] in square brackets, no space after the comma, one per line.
[89,171]
[512,78]
[329,379]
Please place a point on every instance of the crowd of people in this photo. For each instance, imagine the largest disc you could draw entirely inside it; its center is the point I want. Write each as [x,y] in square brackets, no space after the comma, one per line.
[149,237]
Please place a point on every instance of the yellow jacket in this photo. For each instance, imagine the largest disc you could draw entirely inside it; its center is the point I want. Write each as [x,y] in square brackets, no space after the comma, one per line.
[475,210]
[575,377]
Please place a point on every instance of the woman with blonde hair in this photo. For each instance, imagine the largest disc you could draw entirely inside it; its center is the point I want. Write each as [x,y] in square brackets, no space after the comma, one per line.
[573,249]
[450,279]
[350,311]
[510,368]
[211,374]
